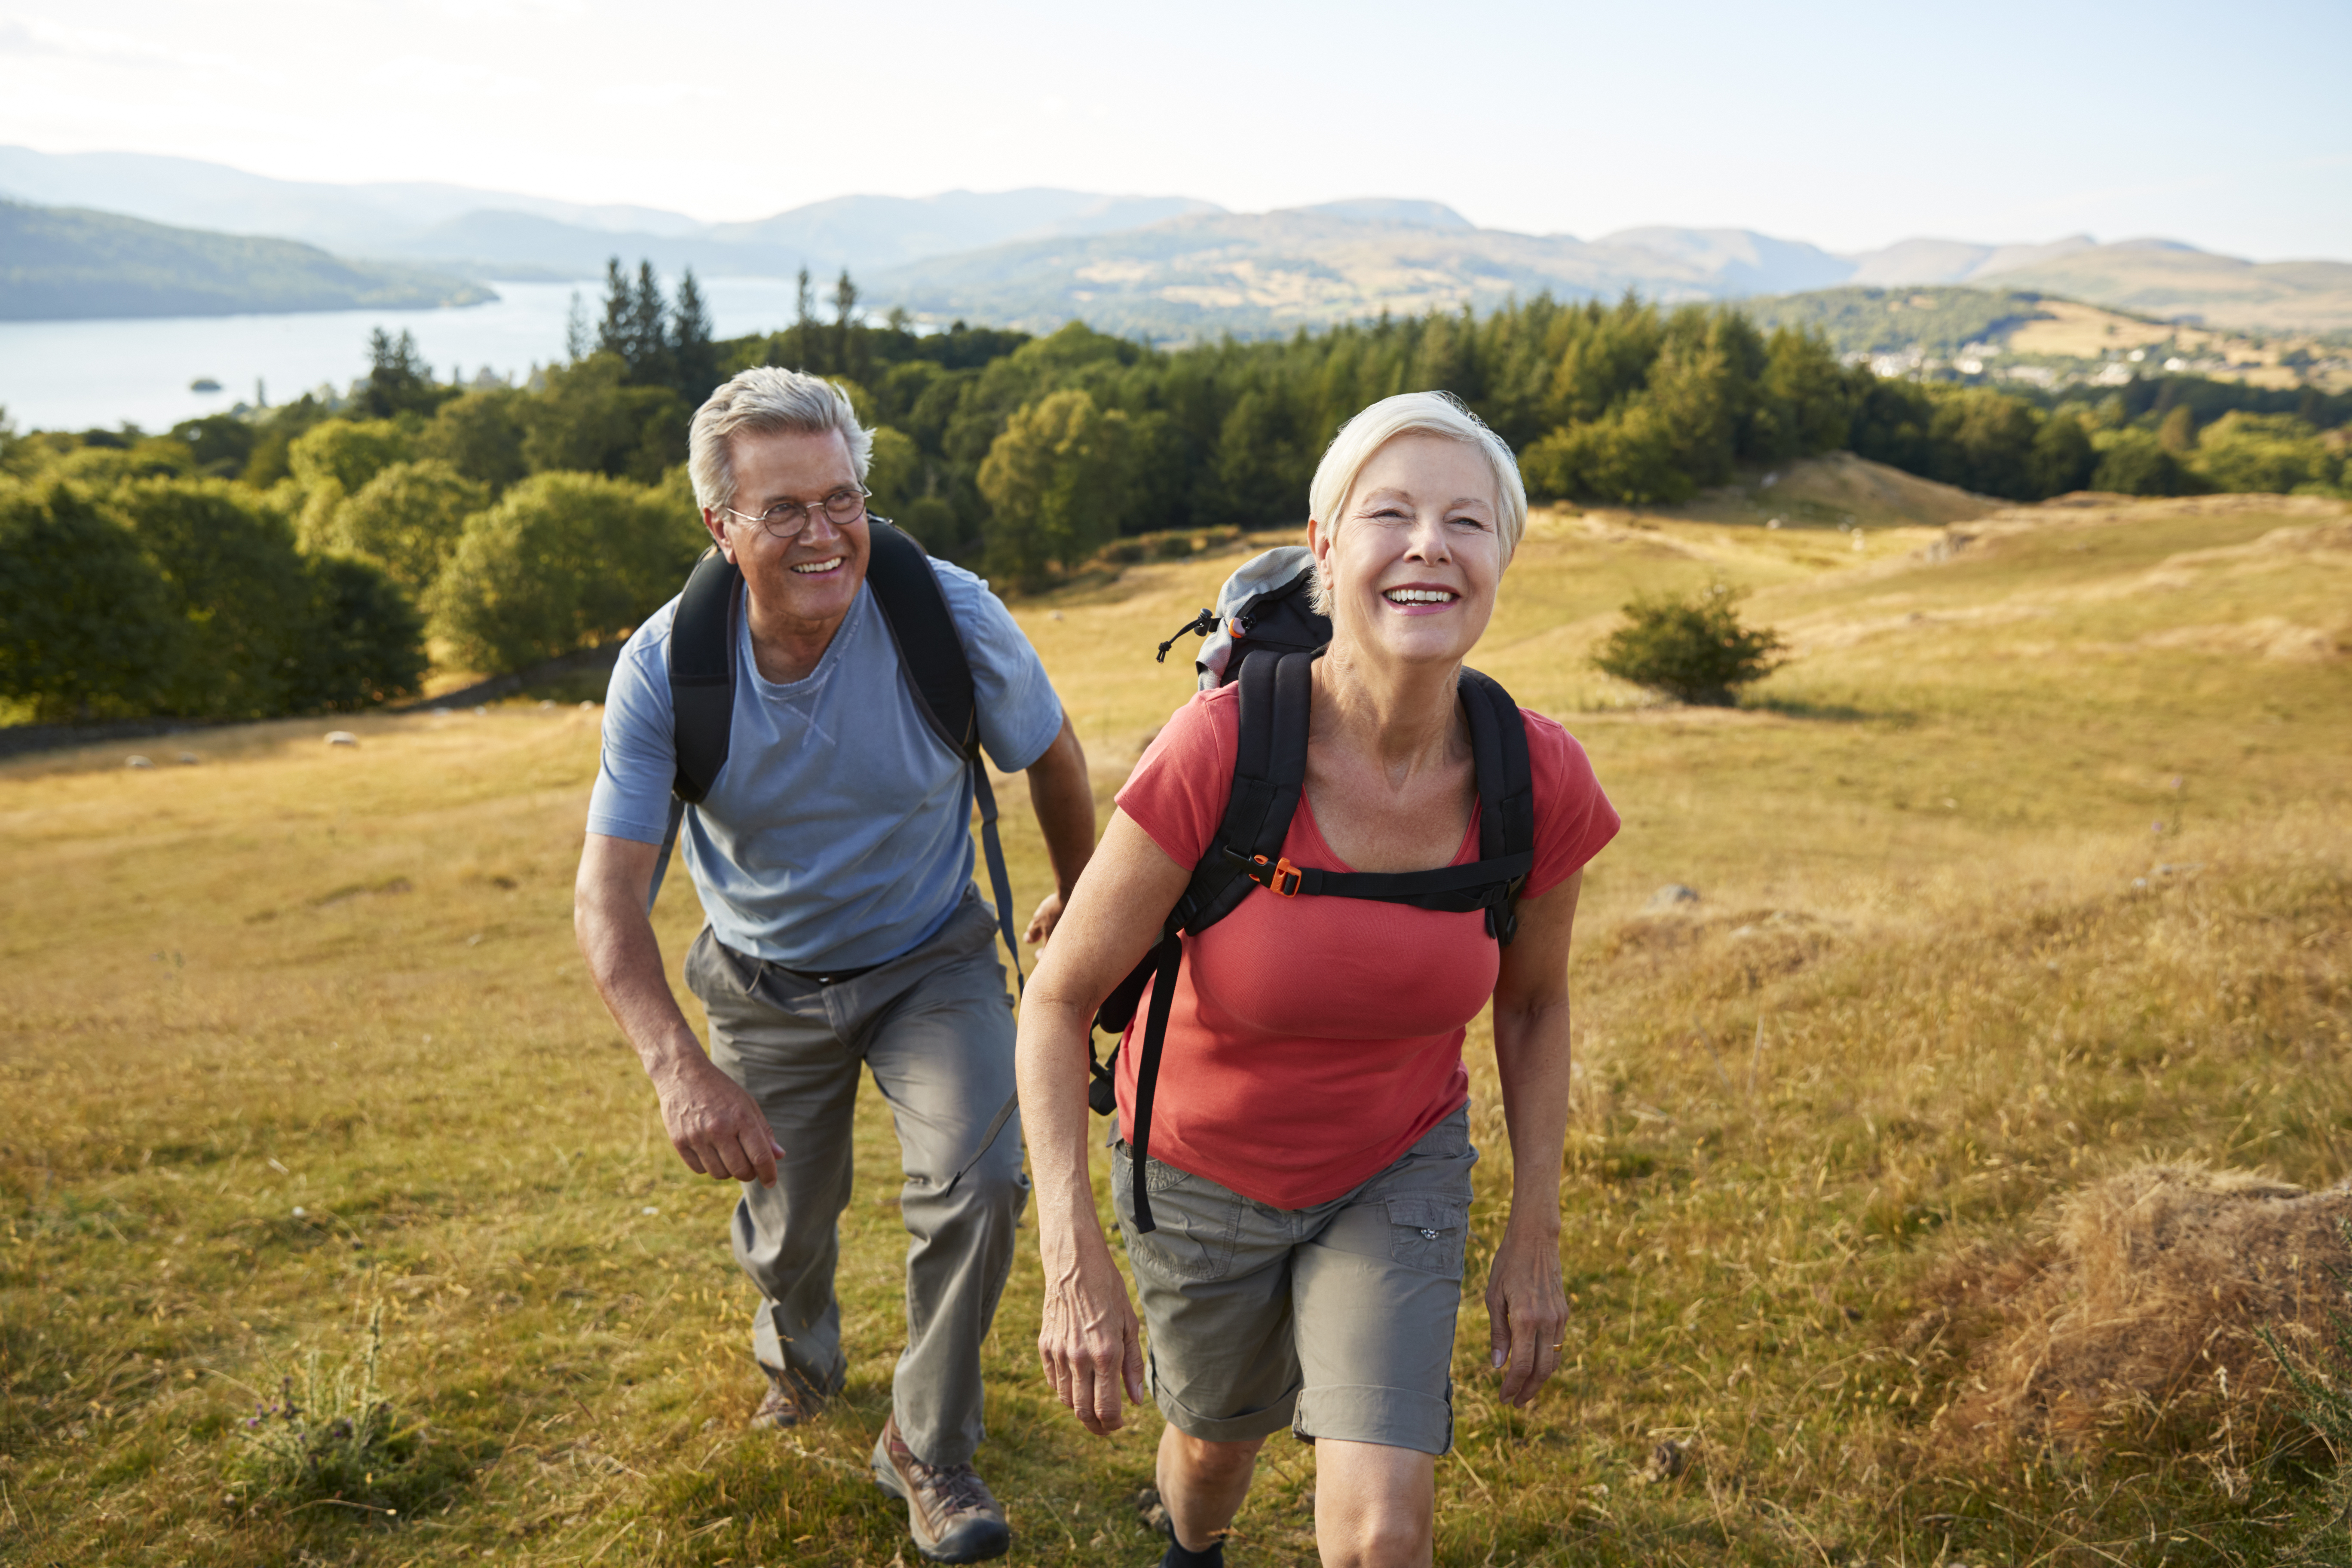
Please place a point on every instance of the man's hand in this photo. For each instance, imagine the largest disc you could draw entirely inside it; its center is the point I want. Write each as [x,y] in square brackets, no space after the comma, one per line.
[715,1126]
[1042,924]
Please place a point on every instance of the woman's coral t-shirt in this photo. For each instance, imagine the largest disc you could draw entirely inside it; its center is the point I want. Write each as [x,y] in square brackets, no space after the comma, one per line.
[1311,1041]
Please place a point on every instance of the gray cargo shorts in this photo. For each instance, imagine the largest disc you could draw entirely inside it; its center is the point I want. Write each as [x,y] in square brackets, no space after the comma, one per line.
[1336,1320]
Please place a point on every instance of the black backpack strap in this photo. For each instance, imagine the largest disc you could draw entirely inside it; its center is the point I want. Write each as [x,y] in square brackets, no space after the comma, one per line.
[701,691]
[1164,960]
[916,611]
[1507,792]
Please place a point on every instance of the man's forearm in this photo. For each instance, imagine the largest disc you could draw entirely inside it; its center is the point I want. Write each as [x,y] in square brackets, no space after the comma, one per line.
[1064,799]
[626,962]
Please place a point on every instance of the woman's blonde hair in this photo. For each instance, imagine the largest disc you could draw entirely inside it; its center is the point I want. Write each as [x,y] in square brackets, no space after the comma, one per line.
[1412,414]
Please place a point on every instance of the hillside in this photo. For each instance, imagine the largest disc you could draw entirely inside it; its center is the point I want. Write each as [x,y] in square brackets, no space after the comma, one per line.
[2016,335]
[297,1033]
[2165,281]
[63,264]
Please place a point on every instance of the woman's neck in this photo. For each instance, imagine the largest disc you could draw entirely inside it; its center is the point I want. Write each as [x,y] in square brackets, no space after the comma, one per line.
[1407,717]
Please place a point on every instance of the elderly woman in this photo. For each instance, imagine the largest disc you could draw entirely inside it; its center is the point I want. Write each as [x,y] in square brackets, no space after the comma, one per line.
[1309,1154]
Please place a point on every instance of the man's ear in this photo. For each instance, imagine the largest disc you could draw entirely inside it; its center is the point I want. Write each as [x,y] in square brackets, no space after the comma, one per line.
[718,531]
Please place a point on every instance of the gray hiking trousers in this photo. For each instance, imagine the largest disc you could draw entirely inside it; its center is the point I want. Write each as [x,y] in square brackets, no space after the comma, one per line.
[935,1027]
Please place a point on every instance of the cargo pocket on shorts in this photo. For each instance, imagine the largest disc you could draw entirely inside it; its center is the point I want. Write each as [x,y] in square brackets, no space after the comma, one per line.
[1429,1235]
[1194,1220]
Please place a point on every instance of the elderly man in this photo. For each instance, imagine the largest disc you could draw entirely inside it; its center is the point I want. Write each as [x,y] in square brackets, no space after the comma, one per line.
[833,855]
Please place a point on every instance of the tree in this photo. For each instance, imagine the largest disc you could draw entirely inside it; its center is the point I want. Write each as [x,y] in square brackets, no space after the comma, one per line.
[1627,457]
[648,353]
[2063,457]
[590,420]
[693,354]
[407,520]
[234,579]
[844,309]
[893,469]
[480,434]
[1057,480]
[363,643]
[562,561]
[620,303]
[86,624]
[2131,462]
[1982,440]
[1694,650]
[398,379]
[2274,452]
[577,343]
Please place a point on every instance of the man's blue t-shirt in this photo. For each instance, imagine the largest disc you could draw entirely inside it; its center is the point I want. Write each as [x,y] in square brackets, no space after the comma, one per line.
[839,833]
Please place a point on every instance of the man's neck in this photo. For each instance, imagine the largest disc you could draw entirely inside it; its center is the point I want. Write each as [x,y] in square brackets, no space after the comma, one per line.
[786,648]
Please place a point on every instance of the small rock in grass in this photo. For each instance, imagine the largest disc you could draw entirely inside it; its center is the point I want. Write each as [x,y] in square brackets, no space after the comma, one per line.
[480,711]
[545,703]
[137,763]
[341,738]
[1674,895]
[188,759]
[1668,1460]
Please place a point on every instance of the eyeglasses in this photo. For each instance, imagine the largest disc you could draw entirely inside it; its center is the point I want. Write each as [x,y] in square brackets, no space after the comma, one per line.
[787,520]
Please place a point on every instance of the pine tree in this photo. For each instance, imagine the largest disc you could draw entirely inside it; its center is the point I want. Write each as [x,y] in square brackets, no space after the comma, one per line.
[845,307]
[805,323]
[692,354]
[613,332]
[648,353]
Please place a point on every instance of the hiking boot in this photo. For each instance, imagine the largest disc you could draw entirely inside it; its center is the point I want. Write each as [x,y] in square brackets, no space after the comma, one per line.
[788,1403]
[949,1508]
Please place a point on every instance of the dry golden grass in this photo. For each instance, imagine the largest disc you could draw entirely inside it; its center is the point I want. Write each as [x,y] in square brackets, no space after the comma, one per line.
[2007,891]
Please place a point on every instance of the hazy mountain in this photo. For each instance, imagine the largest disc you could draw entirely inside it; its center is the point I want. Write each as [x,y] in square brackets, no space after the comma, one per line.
[188,192]
[1953,260]
[506,234]
[62,263]
[2164,278]
[1740,260]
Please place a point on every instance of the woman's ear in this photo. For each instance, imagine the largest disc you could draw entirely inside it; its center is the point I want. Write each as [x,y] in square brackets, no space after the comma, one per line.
[1318,540]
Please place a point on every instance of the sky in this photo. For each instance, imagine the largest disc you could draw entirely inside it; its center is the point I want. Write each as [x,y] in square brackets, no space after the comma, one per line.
[1850,125]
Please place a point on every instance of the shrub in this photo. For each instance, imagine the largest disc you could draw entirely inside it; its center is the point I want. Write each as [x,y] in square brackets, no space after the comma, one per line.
[1694,650]
[407,520]
[561,562]
[332,1436]
[364,642]
[86,623]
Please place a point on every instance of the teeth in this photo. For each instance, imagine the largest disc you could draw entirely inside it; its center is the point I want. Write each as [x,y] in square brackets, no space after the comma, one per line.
[811,568]
[1418,597]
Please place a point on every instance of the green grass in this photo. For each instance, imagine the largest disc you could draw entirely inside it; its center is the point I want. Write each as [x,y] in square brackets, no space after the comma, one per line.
[1925,996]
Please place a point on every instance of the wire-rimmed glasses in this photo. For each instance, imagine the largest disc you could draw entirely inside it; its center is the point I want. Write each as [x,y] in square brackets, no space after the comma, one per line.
[787,520]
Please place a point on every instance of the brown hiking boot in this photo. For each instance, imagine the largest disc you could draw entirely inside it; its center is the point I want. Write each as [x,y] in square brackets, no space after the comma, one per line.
[788,1403]
[953,1516]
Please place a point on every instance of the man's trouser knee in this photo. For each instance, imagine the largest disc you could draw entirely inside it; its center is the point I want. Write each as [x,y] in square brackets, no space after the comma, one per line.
[936,1029]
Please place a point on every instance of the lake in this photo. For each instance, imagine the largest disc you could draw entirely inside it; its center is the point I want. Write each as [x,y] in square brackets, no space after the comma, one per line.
[72,375]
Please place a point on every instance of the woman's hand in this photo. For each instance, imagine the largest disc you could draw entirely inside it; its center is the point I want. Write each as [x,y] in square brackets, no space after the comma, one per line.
[1089,1340]
[1527,1309]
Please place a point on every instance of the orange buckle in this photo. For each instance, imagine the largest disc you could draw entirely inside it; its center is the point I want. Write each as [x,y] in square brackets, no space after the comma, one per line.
[1282,878]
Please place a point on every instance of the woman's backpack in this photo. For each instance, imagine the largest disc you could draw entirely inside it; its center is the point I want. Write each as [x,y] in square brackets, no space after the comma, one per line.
[1270,640]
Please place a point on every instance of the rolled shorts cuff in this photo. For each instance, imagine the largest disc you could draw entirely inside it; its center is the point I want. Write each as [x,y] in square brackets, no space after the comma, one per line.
[1368,1413]
[1250,1424]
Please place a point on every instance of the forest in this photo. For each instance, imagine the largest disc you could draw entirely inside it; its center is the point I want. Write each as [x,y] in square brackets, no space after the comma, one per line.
[321,554]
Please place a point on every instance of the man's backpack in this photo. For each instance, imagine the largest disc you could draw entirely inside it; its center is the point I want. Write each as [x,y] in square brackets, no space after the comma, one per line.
[1271,640]
[702,643]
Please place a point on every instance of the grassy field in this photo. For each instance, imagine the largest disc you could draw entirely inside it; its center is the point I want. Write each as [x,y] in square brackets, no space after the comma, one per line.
[2033,865]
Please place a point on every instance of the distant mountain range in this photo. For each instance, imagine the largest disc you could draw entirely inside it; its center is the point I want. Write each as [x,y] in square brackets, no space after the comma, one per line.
[63,263]
[1167,267]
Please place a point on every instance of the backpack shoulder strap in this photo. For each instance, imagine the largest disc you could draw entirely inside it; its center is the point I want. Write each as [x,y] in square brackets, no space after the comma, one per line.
[1269,776]
[702,673]
[915,609]
[931,654]
[1506,793]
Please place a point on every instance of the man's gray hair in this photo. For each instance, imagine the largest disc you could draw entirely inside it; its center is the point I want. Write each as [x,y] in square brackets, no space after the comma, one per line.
[762,401]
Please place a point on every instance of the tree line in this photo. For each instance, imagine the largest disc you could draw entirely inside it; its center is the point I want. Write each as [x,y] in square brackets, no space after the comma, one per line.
[302,557]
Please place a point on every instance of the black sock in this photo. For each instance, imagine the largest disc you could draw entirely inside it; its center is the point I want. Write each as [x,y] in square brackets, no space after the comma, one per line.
[1176,1557]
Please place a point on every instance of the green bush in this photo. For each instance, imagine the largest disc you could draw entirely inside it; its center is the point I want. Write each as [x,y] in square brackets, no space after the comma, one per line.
[87,628]
[561,562]
[407,520]
[364,642]
[2135,463]
[2274,452]
[1694,650]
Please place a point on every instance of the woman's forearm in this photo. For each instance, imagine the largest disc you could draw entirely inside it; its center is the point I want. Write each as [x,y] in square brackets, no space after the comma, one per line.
[1050,1065]
[1531,1054]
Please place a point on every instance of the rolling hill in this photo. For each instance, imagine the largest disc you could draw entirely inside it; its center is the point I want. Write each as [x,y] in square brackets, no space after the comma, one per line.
[62,264]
